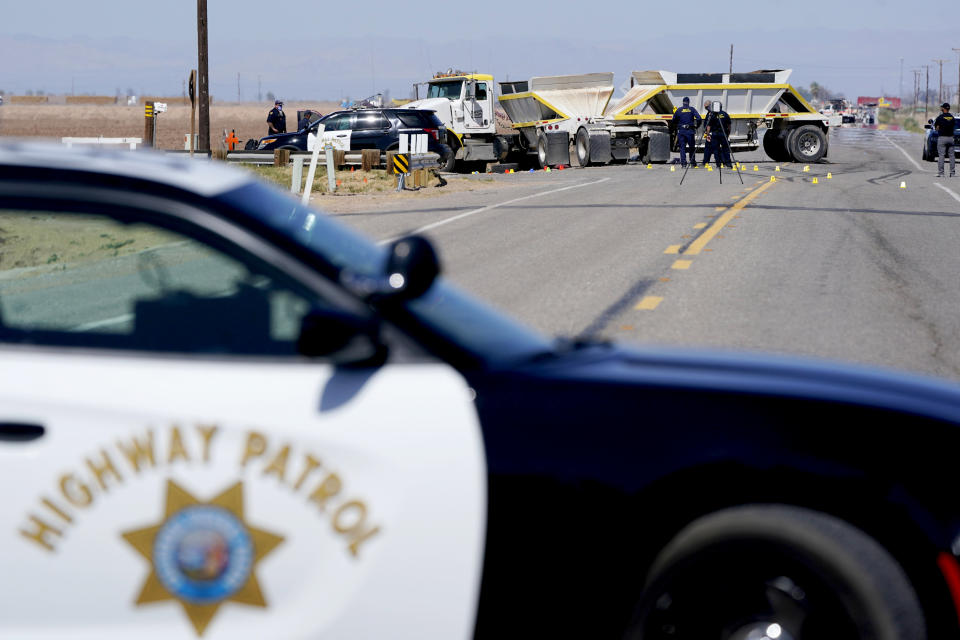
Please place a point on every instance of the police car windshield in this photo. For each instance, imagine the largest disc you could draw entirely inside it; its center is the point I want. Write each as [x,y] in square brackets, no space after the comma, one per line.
[447,312]
[449,90]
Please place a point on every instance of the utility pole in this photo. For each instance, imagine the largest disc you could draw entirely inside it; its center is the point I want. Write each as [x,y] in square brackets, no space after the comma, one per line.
[926,96]
[203,81]
[901,82]
[957,51]
[940,94]
[731,58]
[916,89]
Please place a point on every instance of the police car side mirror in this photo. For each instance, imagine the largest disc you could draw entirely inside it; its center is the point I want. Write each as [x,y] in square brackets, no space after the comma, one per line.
[348,340]
[412,266]
[410,269]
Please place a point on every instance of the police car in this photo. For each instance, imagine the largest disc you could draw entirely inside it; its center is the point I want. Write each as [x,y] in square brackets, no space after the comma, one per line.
[226,416]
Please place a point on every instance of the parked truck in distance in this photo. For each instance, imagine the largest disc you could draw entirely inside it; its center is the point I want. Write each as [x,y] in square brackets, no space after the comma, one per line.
[465,103]
[553,112]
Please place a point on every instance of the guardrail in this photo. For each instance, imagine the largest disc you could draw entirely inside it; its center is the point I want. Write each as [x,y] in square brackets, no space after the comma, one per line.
[132,142]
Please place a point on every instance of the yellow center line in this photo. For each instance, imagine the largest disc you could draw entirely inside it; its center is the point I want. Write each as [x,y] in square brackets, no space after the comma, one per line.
[700,225]
[648,303]
[697,245]
[682,264]
[674,248]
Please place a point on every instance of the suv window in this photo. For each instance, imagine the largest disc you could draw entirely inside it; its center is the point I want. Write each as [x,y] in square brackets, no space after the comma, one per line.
[91,280]
[371,120]
[337,122]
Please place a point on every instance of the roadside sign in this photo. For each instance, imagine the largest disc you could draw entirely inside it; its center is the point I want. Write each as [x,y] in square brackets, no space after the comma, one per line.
[148,110]
[159,107]
[401,163]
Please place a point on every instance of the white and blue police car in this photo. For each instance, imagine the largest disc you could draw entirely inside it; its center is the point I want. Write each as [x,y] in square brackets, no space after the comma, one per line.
[223,415]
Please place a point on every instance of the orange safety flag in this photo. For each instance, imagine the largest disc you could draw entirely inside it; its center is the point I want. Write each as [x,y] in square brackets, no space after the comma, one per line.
[232,139]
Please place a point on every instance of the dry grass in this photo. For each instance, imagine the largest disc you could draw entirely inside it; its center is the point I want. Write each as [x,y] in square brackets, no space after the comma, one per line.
[377,181]
[120,121]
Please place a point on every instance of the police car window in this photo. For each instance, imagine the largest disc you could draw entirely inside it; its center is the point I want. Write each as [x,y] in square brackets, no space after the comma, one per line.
[339,122]
[370,121]
[411,118]
[92,281]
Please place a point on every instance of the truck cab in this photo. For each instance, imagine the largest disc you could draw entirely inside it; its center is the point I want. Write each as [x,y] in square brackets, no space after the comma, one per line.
[464,103]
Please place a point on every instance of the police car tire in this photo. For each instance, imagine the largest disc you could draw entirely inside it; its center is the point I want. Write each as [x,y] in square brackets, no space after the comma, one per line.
[840,562]
[796,139]
[450,162]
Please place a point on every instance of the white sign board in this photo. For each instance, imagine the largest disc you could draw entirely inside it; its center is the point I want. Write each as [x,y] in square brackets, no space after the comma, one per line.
[159,107]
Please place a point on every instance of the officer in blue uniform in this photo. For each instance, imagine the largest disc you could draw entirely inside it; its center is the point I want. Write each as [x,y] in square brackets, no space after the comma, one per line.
[718,131]
[707,149]
[686,120]
[276,119]
[945,125]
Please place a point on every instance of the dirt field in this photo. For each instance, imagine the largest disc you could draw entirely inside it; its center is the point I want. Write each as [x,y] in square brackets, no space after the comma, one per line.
[113,121]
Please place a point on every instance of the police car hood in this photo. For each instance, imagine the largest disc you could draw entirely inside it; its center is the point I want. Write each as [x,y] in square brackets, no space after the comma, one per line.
[759,374]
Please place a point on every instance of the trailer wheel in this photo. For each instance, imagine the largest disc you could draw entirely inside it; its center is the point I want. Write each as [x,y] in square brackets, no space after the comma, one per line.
[807,144]
[774,145]
[542,149]
[583,147]
[777,571]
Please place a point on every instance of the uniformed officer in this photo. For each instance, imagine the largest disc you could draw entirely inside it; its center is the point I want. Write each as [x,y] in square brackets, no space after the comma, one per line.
[945,125]
[276,119]
[686,120]
[718,132]
[707,114]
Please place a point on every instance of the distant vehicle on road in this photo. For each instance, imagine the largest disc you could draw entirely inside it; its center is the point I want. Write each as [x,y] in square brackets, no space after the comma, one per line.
[358,129]
[930,142]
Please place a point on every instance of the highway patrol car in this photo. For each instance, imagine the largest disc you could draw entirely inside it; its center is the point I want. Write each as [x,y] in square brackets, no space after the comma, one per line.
[223,415]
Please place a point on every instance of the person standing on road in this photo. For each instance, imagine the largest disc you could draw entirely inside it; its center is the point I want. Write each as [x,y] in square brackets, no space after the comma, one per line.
[276,119]
[945,125]
[686,120]
[707,114]
[718,130]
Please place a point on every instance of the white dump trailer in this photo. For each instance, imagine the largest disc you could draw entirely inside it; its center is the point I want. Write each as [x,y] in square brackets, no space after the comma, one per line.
[756,101]
[548,110]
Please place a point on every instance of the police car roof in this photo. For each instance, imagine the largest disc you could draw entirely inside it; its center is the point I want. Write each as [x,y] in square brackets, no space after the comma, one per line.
[200,175]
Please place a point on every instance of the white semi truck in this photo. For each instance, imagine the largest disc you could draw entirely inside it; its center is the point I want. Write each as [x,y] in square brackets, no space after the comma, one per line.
[465,103]
[553,112]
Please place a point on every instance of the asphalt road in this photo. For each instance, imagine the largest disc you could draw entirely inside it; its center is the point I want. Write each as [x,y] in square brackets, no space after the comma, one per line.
[853,268]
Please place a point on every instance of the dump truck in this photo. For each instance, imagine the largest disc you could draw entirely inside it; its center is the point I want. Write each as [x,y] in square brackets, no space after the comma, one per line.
[465,104]
[553,112]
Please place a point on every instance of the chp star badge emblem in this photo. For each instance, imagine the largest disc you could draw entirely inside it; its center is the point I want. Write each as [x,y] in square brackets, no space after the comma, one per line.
[202,554]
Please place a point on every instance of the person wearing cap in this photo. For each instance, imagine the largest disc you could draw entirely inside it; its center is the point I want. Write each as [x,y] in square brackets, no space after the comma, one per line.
[276,119]
[717,134]
[685,122]
[945,125]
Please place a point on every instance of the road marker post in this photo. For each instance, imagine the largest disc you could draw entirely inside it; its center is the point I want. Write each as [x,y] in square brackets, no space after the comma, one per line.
[815,180]
[332,181]
[903,185]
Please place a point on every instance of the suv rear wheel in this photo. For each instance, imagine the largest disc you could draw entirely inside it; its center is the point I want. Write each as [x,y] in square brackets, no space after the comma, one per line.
[777,571]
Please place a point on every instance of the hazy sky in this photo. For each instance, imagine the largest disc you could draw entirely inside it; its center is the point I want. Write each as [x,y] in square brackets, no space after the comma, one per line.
[337,48]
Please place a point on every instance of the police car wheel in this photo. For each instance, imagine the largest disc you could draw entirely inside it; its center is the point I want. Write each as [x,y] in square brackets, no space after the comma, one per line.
[807,144]
[776,572]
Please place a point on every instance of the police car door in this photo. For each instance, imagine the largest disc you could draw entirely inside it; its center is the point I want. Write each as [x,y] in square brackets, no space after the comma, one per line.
[337,131]
[172,470]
